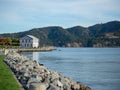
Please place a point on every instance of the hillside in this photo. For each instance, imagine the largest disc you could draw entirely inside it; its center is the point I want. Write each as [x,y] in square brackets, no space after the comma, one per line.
[99,35]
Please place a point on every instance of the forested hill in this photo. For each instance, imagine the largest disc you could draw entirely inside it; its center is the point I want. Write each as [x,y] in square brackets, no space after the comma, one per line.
[99,35]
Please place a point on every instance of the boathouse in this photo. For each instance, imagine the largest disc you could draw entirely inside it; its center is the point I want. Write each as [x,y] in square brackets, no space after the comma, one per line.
[29,41]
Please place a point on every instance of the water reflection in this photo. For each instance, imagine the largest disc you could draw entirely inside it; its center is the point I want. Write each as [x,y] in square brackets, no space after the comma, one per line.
[32,55]
[35,56]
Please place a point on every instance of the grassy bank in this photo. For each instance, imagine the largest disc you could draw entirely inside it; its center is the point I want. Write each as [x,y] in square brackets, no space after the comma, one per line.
[7,80]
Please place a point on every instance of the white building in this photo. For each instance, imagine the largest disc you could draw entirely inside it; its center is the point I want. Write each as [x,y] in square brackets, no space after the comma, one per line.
[29,41]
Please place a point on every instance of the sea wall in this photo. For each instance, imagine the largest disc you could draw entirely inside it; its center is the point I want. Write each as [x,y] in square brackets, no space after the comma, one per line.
[49,48]
[35,76]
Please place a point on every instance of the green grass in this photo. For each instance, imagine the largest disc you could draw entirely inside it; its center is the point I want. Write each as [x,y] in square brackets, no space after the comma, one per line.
[1,47]
[7,80]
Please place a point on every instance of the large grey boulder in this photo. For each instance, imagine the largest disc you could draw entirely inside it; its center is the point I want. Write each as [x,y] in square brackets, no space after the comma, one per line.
[53,87]
[37,86]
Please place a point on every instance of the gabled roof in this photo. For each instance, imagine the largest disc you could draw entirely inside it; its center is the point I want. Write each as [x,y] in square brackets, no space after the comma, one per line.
[33,37]
[30,36]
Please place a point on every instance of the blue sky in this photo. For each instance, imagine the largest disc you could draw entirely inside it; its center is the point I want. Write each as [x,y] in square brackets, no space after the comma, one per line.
[22,15]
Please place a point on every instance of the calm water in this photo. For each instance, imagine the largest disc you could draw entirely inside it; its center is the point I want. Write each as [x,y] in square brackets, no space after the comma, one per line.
[98,68]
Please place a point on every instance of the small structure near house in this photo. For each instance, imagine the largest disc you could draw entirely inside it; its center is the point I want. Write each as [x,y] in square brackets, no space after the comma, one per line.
[29,41]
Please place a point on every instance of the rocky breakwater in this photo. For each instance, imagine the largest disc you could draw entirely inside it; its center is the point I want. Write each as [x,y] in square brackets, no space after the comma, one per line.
[35,76]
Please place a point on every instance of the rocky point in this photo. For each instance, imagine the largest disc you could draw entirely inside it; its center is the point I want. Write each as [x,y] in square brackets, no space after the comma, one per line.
[34,76]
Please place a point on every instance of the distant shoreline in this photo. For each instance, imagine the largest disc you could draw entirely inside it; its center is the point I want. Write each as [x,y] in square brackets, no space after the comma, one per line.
[36,49]
[5,51]
[49,48]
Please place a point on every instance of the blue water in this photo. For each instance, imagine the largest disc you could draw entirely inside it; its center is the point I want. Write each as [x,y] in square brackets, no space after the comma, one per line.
[98,68]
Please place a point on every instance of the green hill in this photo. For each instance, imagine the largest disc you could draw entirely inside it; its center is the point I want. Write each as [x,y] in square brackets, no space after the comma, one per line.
[99,35]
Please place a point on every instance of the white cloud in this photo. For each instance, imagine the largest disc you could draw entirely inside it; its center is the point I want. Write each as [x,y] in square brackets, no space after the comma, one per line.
[61,12]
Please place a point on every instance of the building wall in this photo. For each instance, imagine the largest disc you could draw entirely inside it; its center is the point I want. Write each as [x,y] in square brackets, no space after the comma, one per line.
[36,43]
[27,42]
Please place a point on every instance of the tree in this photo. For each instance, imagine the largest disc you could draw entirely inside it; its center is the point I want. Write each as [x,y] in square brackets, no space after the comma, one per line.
[9,41]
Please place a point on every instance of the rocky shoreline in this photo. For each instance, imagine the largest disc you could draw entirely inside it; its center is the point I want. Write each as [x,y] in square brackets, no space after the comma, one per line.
[34,76]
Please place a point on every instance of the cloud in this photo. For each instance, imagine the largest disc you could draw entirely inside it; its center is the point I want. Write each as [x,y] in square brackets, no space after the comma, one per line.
[58,12]
[76,7]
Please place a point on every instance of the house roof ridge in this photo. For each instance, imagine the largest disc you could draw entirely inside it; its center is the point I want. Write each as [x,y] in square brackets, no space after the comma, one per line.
[31,36]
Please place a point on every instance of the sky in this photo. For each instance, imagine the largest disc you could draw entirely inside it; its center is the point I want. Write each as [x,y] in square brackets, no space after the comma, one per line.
[23,15]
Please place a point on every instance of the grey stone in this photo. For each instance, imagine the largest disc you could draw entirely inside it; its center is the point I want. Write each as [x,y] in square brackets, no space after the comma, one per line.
[59,83]
[88,88]
[37,86]
[75,86]
[53,87]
